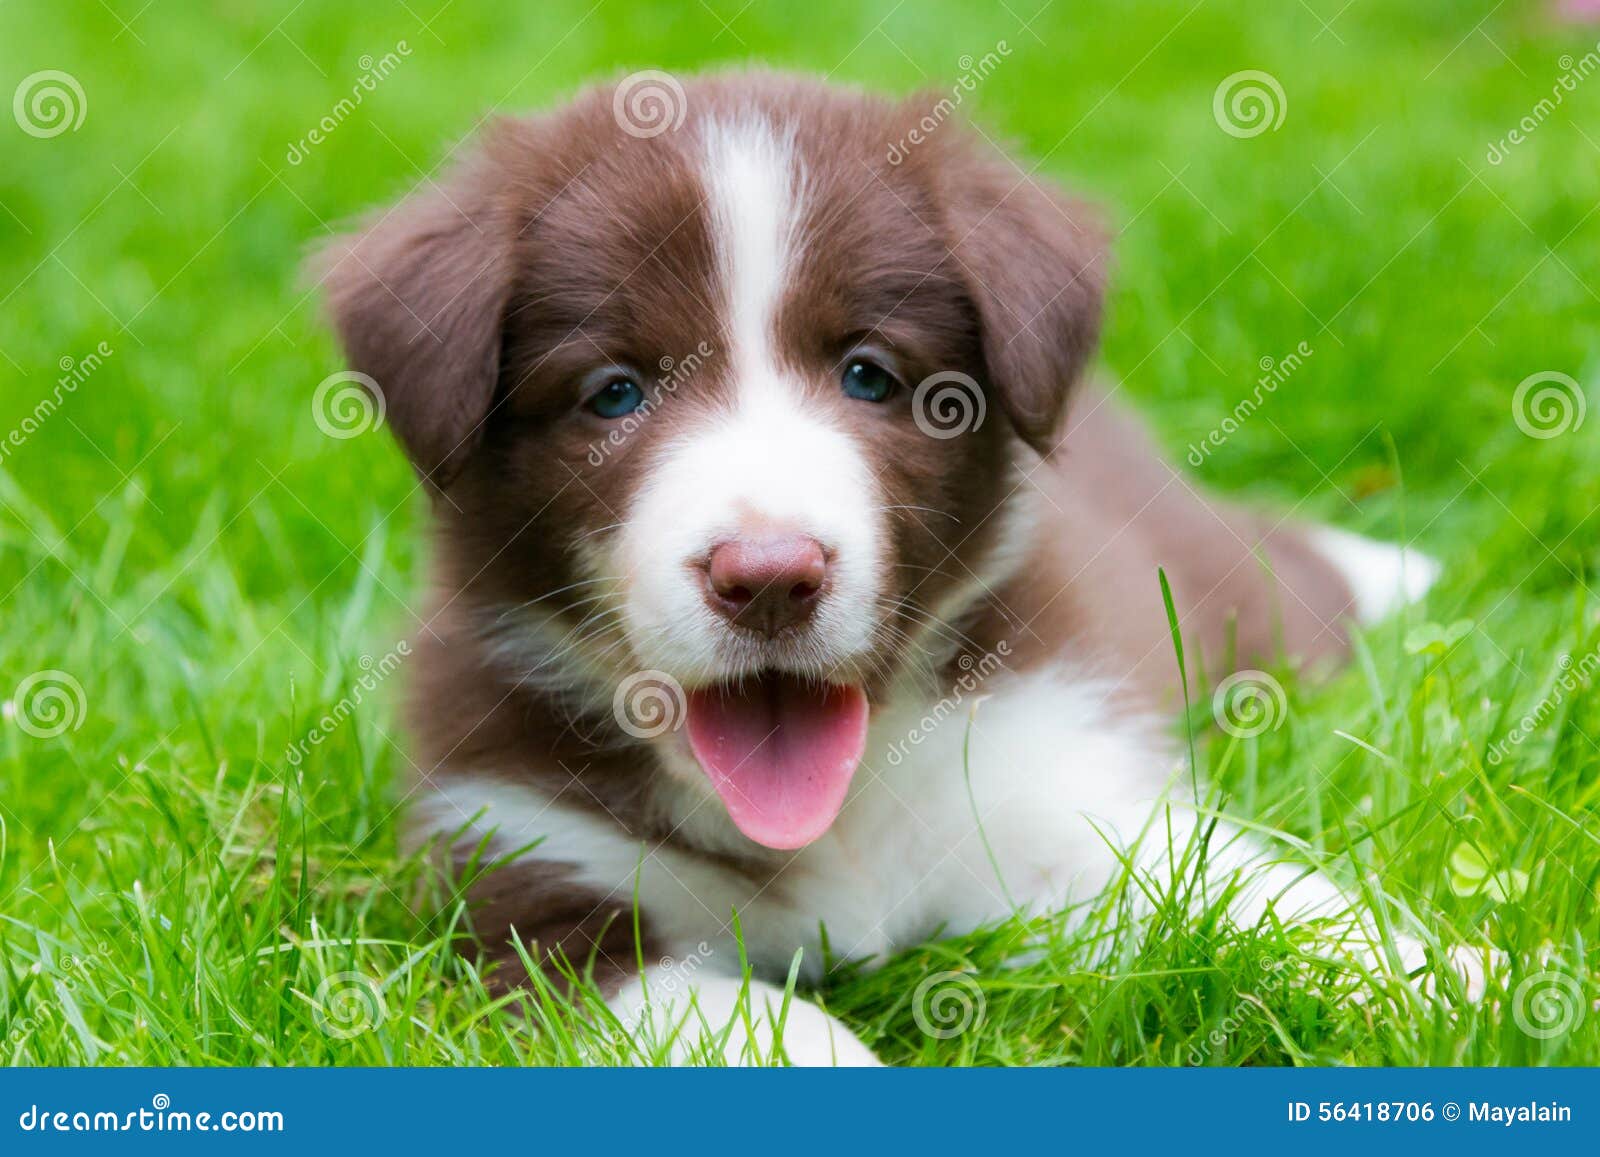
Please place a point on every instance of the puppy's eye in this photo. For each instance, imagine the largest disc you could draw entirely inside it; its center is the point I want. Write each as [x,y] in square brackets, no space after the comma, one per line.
[867,380]
[617,398]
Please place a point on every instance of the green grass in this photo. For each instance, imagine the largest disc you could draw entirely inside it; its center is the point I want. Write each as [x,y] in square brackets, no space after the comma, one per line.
[210,569]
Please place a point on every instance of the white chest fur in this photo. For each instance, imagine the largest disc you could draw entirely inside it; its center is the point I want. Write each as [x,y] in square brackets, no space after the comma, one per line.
[960,809]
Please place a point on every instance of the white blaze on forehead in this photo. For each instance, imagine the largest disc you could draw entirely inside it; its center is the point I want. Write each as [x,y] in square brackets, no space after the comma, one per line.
[768,458]
[755,191]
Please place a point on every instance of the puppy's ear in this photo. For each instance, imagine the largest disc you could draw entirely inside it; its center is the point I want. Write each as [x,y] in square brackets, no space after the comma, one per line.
[419,300]
[1035,265]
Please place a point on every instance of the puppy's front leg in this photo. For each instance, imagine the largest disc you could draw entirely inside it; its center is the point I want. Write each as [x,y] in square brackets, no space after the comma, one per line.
[1299,893]
[738,1019]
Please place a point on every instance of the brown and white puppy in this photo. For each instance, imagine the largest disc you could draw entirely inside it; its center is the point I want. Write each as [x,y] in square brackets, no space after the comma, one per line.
[753,468]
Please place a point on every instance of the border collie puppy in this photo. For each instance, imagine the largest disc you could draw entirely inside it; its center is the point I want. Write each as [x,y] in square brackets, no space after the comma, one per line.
[757,458]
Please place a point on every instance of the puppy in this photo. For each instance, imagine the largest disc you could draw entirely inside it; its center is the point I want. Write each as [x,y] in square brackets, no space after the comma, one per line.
[753,469]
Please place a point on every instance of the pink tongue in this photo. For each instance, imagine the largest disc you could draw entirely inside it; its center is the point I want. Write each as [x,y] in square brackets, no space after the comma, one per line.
[780,753]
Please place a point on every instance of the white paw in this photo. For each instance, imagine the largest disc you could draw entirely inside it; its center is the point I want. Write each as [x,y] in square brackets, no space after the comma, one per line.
[719,1016]
[813,1039]
[1383,577]
[1472,966]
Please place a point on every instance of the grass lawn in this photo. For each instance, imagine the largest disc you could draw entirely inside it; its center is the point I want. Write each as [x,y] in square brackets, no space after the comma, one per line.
[192,572]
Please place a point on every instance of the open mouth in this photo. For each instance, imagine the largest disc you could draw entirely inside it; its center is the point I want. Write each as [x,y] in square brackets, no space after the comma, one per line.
[780,751]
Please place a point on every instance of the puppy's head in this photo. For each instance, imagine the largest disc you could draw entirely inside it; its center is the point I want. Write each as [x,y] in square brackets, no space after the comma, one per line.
[718,388]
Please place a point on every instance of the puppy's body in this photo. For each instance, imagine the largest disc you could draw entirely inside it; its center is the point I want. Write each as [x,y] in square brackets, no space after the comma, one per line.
[1009,562]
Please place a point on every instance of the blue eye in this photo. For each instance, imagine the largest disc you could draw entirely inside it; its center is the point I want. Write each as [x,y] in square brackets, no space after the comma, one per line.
[617,399]
[867,380]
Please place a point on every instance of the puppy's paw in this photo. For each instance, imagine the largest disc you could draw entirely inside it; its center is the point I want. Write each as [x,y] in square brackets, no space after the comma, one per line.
[1472,966]
[1414,963]
[1382,577]
[817,1040]
[720,1018]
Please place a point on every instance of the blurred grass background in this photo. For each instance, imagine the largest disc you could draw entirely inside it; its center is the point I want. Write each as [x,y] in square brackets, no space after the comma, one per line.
[209,567]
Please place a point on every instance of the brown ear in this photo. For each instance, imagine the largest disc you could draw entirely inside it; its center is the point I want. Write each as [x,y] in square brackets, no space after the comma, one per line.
[1035,265]
[419,301]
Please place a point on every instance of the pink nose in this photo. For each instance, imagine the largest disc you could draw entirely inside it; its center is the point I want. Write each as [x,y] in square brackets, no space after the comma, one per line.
[766,584]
